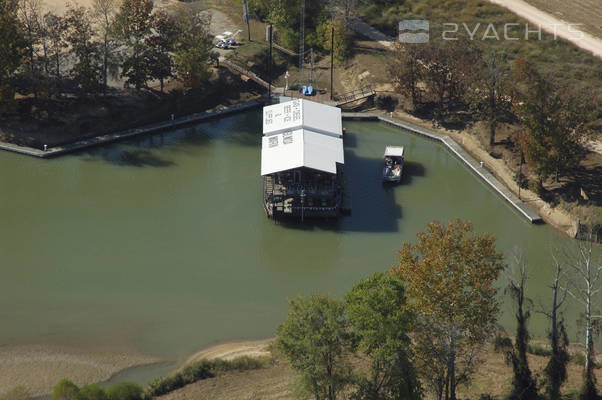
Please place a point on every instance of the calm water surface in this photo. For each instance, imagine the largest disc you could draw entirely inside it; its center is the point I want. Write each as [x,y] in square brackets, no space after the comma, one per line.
[162,243]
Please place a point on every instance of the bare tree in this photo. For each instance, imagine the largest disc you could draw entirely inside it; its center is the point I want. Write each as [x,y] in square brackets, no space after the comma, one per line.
[103,13]
[406,70]
[491,94]
[585,287]
[524,386]
[30,16]
[56,27]
[556,371]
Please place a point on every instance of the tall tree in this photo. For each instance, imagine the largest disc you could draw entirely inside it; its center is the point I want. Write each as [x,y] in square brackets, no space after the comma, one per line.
[314,338]
[524,386]
[449,275]
[193,51]
[86,71]
[380,323]
[556,369]
[133,25]
[491,91]
[103,12]
[159,45]
[554,119]
[56,28]
[406,70]
[30,15]
[12,48]
[586,285]
[343,38]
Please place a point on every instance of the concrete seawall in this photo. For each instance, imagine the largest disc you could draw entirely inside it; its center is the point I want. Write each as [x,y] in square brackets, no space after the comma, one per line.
[113,137]
[459,152]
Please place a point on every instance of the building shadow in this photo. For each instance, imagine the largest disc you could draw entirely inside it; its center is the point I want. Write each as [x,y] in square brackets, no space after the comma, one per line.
[412,169]
[374,205]
[137,157]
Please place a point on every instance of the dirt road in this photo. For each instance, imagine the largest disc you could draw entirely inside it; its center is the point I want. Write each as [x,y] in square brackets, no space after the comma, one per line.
[549,23]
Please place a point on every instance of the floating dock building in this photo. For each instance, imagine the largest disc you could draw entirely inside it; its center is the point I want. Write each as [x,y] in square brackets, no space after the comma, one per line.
[302,160]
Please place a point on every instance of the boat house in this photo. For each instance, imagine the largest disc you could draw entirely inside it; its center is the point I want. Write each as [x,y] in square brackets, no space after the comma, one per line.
[302,160]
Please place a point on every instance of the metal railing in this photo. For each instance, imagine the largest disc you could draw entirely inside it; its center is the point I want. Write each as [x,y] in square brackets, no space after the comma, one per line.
[357,94]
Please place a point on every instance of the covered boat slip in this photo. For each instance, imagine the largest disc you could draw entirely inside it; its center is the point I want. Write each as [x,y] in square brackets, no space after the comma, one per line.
[302,160]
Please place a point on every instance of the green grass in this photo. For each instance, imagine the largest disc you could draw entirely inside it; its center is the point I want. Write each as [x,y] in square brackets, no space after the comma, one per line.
[557,58]
[200,370]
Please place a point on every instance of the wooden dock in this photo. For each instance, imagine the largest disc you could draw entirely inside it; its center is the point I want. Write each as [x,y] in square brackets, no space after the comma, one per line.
[459,152]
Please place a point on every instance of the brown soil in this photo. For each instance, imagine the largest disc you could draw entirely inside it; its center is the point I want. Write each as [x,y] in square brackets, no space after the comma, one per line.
[39,368]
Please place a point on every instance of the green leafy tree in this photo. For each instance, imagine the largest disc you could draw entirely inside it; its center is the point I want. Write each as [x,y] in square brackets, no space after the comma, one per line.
[193,50]
[343,38]
[65,390]
[159,45]
[449,276]
[87,70]
[133,25]
[380,323]
[12,51]
[314,337]
[554,119]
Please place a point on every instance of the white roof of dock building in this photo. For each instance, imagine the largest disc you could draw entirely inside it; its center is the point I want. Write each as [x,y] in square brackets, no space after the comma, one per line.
[301,148]
[302,114]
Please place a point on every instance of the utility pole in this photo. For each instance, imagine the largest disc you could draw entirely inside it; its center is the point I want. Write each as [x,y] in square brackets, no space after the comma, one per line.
[331,61]
[301,42]
[245,16]
[270,35]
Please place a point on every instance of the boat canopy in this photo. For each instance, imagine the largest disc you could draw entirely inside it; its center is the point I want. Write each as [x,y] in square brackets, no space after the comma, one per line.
[394,151]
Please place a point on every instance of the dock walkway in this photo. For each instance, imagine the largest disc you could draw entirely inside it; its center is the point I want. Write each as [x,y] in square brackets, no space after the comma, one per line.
[112,137]
[462,154]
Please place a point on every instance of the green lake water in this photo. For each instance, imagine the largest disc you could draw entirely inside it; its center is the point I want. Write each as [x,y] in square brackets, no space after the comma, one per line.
[162,243]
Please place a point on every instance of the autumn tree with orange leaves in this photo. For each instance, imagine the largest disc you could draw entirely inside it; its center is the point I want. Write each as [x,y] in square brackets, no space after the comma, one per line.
[449,276]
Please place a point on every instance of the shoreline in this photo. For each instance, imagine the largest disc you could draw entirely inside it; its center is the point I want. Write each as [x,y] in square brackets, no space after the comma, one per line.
[505,187]
[130,133]
[39,367]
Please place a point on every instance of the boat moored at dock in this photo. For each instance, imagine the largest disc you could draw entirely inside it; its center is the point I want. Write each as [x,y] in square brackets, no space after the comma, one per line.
[393,168]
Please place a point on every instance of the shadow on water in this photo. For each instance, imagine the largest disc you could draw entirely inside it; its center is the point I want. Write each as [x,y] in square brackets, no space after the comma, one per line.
[412,169]
[374,206]
[240,129]
[138,157]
